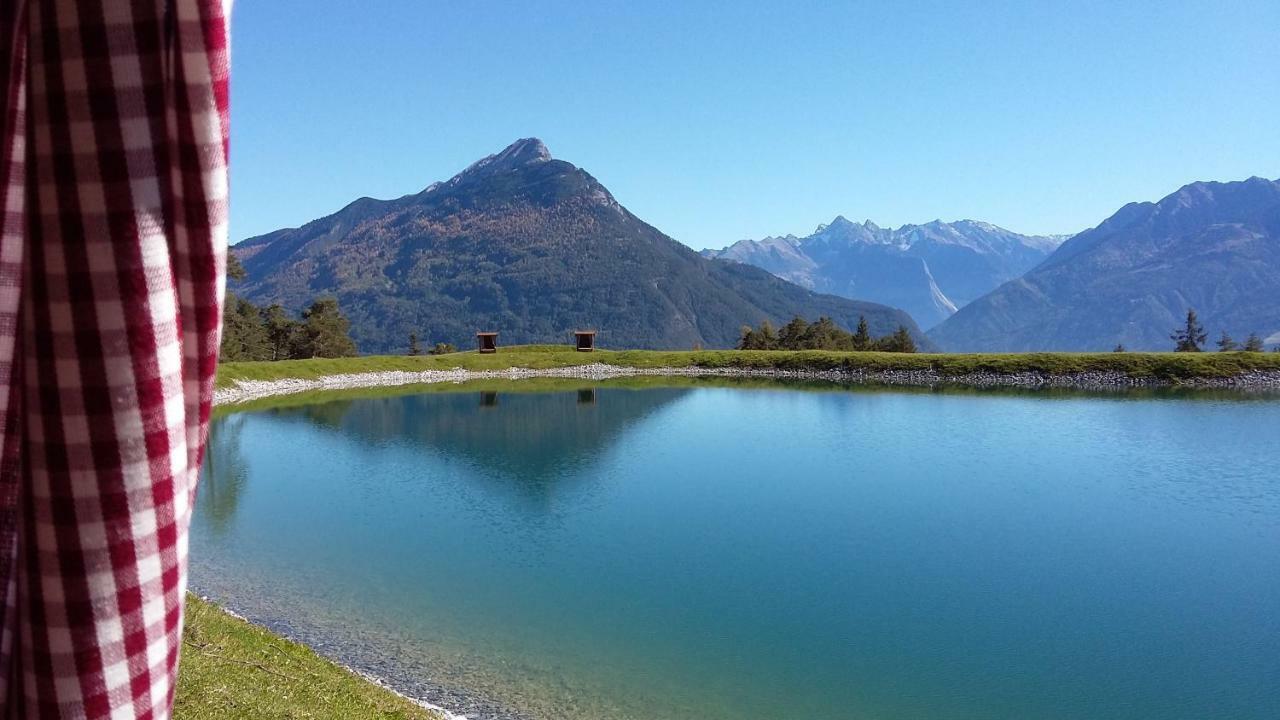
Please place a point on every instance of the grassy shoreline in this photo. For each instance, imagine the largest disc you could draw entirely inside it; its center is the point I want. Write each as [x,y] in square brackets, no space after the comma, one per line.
[232,668]
[1171,367]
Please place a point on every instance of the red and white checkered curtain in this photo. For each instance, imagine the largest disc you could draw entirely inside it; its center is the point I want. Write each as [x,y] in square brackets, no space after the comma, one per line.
[113,187]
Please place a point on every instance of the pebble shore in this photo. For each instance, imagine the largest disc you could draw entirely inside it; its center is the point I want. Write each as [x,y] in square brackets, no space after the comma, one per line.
[247,390]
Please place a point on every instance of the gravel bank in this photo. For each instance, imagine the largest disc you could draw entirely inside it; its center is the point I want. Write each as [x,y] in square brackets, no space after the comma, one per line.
[256,389]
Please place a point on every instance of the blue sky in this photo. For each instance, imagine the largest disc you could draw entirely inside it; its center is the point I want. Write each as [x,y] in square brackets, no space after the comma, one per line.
[719,121]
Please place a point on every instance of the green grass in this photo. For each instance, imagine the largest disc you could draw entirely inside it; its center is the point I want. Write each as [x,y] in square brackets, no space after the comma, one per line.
[1164,366]
[233,669]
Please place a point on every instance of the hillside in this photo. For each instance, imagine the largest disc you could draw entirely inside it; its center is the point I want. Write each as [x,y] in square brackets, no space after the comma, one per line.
[1214,247]
[530,246]
[928,270]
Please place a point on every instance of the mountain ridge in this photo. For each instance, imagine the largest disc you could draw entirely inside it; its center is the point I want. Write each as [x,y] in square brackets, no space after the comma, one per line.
[930,269]
[1209,246]
[533,246]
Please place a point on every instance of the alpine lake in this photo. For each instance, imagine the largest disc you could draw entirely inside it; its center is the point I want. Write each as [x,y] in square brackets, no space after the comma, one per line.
[715,549]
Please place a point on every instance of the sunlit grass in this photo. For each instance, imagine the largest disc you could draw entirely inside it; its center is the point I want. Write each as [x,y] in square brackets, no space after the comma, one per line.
[233,669]
[1163,366]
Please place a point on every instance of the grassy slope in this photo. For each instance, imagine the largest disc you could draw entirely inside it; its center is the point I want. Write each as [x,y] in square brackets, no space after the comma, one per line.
[232,669]
[1172,366]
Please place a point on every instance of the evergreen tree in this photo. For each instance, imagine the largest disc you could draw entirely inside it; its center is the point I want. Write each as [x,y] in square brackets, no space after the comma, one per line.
[768,337]
[824,335]
[792,335]
[900,341]
[324,331]
[413,344]
[1191,336]
[243,337]
[1226,344]
[1253,343]
[235,271]
[747,341]
[282,332]
[862,338]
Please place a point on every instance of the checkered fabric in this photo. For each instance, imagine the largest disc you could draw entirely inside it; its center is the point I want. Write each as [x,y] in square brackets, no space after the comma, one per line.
[113,187]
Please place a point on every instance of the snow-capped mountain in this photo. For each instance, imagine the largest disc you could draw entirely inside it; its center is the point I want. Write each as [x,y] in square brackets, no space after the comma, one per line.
[929,270]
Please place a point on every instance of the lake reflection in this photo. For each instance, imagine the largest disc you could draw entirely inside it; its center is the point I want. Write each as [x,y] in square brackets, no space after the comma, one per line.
[711,552]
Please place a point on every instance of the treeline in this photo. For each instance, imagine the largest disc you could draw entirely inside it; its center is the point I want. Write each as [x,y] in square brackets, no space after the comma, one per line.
[250,332]
[253,333]
[824,334]
[1191,337]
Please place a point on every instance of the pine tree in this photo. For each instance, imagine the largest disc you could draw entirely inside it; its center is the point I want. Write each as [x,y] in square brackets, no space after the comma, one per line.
[235,271]
[281,330]
[792,335]
[747,340]
[1191,336]
[413,344]
[822,335]
[862,338]
[899,342]
[243,336]
[324,331]
[767,337]
[1226,344]
[1253,343]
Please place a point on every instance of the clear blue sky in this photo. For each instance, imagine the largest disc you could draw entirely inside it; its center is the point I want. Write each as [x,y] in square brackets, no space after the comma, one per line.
[719,121]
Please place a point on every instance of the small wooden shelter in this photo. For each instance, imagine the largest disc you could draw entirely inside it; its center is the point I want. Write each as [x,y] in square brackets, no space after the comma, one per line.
[487,342]
[585,340]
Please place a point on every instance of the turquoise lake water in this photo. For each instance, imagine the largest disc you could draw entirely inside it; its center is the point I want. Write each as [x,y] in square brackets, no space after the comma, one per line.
[720,552]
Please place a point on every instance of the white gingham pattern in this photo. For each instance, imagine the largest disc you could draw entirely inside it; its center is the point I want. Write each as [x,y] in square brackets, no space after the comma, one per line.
[113,164]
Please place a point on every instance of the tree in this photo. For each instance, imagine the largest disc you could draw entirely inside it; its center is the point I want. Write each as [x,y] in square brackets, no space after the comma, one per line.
[900,341]
[413,344]
[1191,336]
[792,335]
[862,337]
[747,340]
[443,349]
[1253,343]
[282,332]
[1226,344]
[235,271]
[243,337]
[1120,348]
[768,337]
[824,335]
[324,332]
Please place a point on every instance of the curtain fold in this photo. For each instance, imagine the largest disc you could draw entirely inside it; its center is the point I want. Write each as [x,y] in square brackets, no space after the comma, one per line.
[114,172]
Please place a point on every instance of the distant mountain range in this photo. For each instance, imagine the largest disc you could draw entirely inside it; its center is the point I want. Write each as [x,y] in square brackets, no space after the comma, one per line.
[1211,246]
[929,270]
[532,247]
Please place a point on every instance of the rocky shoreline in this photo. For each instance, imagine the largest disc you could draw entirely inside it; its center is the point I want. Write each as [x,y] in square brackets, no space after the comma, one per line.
[247,390]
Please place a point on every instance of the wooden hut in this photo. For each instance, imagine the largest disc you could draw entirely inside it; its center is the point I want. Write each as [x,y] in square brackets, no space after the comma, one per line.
[585,340]
[487,342]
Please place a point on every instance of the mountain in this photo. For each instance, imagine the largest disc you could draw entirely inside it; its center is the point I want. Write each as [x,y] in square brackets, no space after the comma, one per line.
[530,246]
[928,270]
[1214,247]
